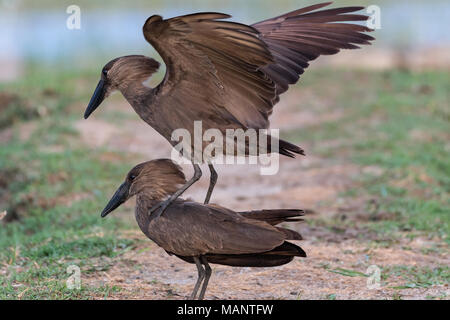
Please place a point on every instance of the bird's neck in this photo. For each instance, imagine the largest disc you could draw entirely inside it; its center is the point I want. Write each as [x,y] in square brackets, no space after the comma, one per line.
[138,95]
[142,211]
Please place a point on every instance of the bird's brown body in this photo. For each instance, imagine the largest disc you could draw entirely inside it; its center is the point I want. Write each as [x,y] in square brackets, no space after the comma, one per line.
[225,74]
[211,230]
[202,234]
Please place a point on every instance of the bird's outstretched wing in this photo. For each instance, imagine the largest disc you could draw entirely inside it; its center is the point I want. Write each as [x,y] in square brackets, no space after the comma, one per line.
[300,36]
[213,68]
[232,73]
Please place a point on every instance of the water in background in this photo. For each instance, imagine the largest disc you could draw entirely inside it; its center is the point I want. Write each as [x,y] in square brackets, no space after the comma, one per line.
[41,35]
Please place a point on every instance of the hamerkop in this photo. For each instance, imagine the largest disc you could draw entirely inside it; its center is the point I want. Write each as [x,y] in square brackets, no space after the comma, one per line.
[205,233]
[225,74]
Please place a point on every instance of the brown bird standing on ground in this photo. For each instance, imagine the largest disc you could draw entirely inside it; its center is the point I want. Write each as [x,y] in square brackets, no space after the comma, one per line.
[226,74]
[202,234]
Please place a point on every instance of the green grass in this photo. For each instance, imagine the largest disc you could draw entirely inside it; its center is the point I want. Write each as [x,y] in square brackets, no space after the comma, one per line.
[396,122]
[331,296]
[415,277]
[54,231]
[348,273]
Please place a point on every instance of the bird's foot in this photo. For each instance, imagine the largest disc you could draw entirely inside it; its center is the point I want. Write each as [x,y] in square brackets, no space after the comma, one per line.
[158,209]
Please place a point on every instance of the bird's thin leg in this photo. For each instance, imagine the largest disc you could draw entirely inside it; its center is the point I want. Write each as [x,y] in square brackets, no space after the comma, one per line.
[208,272]
[159,208]
[201,276]
[212,183]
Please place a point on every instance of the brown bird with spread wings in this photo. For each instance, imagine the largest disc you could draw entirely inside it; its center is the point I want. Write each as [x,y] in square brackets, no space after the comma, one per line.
[203,234]
[226,74]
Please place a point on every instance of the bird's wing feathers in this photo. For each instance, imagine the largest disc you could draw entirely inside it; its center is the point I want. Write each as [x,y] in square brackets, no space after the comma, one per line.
[300,36]
[274,216]
[214,66]
[238,71]
[189,228]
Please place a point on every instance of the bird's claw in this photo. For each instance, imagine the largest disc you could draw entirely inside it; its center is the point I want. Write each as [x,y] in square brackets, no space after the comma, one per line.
[158,209]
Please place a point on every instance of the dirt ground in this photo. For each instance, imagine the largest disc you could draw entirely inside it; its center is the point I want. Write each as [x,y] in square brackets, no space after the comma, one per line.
[310,182]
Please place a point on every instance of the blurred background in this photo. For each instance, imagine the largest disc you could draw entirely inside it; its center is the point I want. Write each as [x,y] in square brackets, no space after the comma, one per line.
[36,33]
[374,123]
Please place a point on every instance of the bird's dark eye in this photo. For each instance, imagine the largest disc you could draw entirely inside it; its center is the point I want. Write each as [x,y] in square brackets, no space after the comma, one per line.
[132,177]
[105,72]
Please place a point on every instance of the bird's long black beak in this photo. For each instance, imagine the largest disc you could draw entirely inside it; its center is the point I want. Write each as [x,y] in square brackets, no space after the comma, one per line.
[97,98]
[117,199]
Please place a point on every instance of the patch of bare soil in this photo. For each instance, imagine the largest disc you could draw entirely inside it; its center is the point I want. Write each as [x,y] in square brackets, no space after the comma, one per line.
[12,209]
[16,208]
[14,108]
[147,272]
